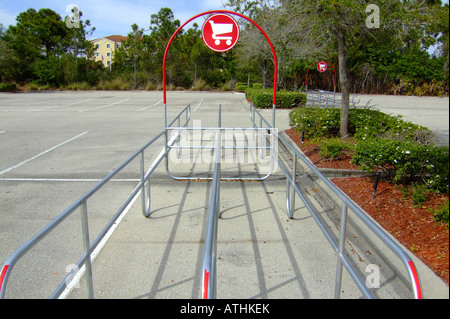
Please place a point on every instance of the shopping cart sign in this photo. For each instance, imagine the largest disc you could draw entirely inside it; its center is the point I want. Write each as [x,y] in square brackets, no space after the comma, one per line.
[322,66]
[220,32]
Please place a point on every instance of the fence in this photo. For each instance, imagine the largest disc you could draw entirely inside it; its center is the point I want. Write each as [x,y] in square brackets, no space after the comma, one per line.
[328,99]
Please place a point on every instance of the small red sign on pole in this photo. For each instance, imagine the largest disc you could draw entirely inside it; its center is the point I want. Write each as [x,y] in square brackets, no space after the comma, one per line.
[220,32]
[322,66]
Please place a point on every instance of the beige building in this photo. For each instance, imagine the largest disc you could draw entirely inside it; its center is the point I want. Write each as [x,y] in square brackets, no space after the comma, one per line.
[105,48]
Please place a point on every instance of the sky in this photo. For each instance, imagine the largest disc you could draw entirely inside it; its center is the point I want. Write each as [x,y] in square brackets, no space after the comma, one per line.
[110,17]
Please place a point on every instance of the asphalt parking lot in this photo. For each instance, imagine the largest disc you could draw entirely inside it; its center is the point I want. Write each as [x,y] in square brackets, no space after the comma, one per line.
[58,145]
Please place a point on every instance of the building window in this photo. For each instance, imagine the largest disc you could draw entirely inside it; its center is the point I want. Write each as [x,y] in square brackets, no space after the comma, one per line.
[108,46]
[108,54]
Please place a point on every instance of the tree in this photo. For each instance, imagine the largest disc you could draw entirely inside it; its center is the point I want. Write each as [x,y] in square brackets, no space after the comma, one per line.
[8,59]
[37,35]
[345,23]
[291,40]
[132,47]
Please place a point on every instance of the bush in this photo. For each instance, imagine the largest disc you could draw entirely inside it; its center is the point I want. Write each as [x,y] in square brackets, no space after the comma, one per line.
[284,99]
[333,148]
[405,162]
[441,214]
[363,124]
[241,87]
[316,121]
[48,71]
[199,84]
[8,87]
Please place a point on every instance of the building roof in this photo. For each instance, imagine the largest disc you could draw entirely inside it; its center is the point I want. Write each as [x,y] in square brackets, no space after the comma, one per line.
[114,38]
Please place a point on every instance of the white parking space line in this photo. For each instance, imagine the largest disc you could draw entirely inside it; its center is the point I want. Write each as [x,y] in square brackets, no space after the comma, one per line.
[58,106]
[1,132]
[198,105]
[101,107]
[40,154]
[147,107]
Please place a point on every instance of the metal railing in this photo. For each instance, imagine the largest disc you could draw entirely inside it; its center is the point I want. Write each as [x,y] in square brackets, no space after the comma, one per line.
[209,256]
[84,264]
[209,287]
[292,188]
[322,98]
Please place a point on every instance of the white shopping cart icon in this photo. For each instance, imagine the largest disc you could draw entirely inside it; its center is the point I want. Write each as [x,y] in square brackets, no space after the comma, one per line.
[221,28]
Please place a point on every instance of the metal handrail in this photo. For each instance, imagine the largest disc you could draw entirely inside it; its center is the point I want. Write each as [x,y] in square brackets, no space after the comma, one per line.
[321,98]
[338,247]
[209,287]
[85,260]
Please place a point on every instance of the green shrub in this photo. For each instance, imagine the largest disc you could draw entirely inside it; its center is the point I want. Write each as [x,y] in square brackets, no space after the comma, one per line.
[315,121]
[284,99]
[241,87]
[8,87]
[364,123]
[441,214]
[333,148]
[405,162]
[419,194]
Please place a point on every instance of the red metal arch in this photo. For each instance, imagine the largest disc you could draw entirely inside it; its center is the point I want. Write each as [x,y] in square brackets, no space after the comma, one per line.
[226,12]
[318,63]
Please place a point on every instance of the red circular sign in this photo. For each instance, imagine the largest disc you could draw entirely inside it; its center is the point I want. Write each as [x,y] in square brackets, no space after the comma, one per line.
[220,32]
[322,66]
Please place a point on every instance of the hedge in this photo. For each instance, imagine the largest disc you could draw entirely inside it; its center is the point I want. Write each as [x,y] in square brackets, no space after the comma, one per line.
[402,151]
[405,162]
[363,124]
[7,87]
[241,86]
[285,99]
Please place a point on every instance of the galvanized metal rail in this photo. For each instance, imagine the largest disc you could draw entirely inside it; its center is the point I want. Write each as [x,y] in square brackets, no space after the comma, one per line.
[209,287]
[81,205]
[326,99]
[292,188]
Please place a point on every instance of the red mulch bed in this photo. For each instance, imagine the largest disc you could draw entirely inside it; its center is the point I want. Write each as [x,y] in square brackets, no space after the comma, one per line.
[413,226]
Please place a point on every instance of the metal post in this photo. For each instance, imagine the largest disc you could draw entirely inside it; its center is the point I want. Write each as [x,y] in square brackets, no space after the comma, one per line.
[87,250]
[376,184]
[340,265]
[209,287]
[335,96]
[179,139]
[145,197]
[294,175]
